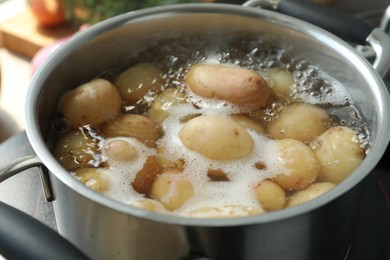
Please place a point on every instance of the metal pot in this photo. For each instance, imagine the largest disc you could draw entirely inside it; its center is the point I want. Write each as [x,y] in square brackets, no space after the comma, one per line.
[105,229]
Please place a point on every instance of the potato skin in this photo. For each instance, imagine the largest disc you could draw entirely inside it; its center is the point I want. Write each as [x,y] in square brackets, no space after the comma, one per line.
[159,109]
[93,179]
[248,123]
[280,82]
[270,195]
[75,149]
[92,103]
[216,137]
[136,81]
[132,125]
[225,211]
[171,190]
[302,167]
[233,84]
[338,152]
[313,191]
[299,121]
[120,150]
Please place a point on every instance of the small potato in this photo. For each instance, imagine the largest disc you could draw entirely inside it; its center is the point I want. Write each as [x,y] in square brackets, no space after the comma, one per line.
[233,84]
[247,122]
[270,195]
[135,82]
[300,166]
[338,152]
[158,111]
[299,121]
[171,190]
[132,125]
[149,204]
[216,137]
[313,191]
[120,150]
[227,211]
[76,149]
[93,179]
[92,103]
[280,82]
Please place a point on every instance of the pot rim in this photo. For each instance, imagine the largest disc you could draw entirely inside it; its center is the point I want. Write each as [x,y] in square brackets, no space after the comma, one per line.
[40,148]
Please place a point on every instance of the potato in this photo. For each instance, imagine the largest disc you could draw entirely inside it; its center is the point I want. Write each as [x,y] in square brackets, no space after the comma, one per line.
[233,84]
[299,121]
[149,204]
[135,82]
[132,125]
[169,166]
[76,149]
[280,82]
[172,190]
[91,103]
[226,211]
[338,152]
[158,111]
[216,137]
[145,178]
[270,195]
[247,122]
[120,150]
[313,191]
[300,166]
[93,179]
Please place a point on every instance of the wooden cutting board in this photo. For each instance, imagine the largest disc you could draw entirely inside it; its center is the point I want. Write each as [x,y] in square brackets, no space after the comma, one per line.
[23,35]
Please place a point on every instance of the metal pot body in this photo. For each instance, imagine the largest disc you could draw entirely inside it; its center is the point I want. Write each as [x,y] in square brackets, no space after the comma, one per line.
[106,229]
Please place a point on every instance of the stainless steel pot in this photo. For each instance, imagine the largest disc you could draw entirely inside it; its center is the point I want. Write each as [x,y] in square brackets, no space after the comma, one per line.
[106,229]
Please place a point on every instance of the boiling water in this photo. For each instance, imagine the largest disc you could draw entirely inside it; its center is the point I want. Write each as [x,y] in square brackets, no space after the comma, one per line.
[176,57]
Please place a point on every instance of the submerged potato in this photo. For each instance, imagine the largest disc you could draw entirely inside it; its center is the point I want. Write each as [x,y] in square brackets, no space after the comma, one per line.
[93,179]
[280,82]
[338,152]
[300,167]
[138,80]
[120,150]
[216,137]
[133,125]
[148,204]
[91,103]
[158,111]
[248,122]
[172,190]
[226,211]
[313,191]
[76,149]
[299,121]
[270,195]
[233,84]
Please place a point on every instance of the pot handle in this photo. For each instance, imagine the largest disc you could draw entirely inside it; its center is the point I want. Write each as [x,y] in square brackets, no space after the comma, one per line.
[24,163]
[346,26]
[24,237]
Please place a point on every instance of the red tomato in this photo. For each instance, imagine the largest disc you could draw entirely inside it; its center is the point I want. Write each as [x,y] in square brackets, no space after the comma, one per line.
[48,12]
